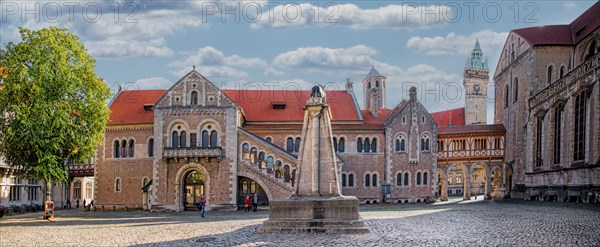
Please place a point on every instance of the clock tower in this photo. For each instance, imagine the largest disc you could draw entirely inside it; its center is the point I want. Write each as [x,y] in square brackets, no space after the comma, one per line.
[476,78]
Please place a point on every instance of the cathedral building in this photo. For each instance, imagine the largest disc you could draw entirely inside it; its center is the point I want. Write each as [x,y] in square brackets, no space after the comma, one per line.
[547,97]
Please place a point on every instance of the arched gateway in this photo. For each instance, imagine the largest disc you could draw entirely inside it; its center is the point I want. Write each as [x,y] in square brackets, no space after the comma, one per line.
[192,182]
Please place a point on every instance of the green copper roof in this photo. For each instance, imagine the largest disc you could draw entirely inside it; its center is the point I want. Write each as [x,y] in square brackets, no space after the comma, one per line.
[476,60]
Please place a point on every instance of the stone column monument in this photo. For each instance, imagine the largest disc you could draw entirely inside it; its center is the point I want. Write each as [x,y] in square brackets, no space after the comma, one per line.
[317,205]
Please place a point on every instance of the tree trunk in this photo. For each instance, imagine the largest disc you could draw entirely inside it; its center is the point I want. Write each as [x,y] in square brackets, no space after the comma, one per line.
[48,186]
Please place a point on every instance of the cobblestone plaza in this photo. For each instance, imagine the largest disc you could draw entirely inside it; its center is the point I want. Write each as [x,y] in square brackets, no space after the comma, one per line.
[473,223]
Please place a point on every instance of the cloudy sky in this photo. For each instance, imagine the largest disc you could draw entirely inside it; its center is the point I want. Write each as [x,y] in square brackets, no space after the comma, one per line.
[290,45]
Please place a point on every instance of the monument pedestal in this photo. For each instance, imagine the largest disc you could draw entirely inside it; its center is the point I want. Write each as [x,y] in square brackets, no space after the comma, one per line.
[317,205]
[334,215]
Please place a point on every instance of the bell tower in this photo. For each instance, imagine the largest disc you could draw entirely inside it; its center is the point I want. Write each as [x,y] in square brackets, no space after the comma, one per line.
[374,91]
[476,78]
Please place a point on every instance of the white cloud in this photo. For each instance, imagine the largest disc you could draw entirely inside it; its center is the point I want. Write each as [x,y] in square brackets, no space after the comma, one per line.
[327,60]
[115,48]
[570,5]
[135,24]
[455,44]
[274,72]
[215,64]
[350,15]
[153,83]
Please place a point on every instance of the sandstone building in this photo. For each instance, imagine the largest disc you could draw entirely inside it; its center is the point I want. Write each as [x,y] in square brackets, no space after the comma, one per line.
[547,97]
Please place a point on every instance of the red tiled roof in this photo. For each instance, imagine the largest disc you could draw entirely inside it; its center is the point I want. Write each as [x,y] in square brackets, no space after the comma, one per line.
[369,119]
[258,104]
[471,129]
[443,118]
[564,34]
[547,35]
[128,107]
[586,22]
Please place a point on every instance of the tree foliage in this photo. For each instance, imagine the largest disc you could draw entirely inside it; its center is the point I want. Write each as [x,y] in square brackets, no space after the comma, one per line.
[53,105]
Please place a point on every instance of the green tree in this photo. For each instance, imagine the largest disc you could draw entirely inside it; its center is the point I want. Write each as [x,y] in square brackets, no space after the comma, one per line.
[52,105]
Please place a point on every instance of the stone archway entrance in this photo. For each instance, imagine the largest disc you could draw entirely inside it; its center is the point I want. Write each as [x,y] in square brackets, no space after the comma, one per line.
[457,181]
[249,187]
[193,184]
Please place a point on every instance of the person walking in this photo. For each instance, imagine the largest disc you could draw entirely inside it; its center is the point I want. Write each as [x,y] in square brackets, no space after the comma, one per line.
[247,204]
[84,208]
[255,202]
[202,206]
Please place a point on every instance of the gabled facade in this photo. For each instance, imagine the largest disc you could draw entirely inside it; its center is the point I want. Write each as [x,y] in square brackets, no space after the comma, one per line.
[164,149]
[547,98]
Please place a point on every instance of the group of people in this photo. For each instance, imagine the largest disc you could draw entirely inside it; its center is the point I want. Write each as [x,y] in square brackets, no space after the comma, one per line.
[254,202]
[86,206]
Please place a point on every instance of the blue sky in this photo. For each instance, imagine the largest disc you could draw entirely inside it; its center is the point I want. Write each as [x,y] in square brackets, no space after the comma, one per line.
[151,44]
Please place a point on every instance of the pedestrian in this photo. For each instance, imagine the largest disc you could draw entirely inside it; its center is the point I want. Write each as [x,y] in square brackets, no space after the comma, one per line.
[255,202]
[247,204]
[77,203]
[202,206]
[84,207]
[68,204]
[92,205]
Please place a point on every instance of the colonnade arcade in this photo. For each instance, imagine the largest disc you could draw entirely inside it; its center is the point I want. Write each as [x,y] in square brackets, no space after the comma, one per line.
[473,179]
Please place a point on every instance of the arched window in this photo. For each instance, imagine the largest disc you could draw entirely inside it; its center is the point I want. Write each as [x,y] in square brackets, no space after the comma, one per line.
[269,139]
[144,182]
[425,178]
[118,185]
[194,98]
[116,149]
[506,91]
[297,146]
[376,83]
[369,85]
[182,142]
[270,164]
[418,178]
[174,139]
[151,147]
[342,145]
[367,145]
[359,145]
[557,133]
[344,180]
[579,130]
[399,179]
[253,155]
[549,76]
[351,180]
[123,148]
[591,50]
[562,71]
[261,160]
[397,145]
[516,90]
[286,173]
[406,179]
[245,151]
[278,169]
[425,143]
[335,145]
[374,180]
[213,138]
[205,138]
[367,180]
[289,145]
[131,148]
[374,145]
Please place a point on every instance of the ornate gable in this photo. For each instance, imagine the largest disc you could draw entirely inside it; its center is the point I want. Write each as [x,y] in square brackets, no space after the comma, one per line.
[193,89]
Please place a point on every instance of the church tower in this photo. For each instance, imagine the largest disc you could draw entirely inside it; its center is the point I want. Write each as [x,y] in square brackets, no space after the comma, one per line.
[374,91]
[476,78]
